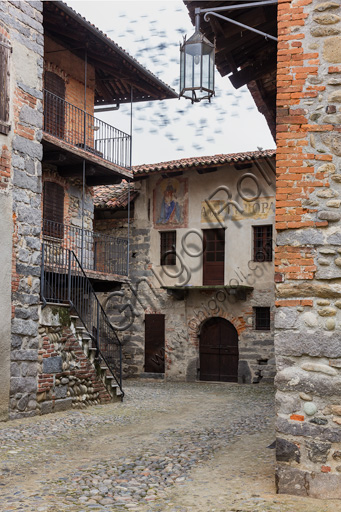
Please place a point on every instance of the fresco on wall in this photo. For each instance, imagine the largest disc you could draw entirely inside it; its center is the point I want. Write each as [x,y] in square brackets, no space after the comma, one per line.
[170,203]
[217,211]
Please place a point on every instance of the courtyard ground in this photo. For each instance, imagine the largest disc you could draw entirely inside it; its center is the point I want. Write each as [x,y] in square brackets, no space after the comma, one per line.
[169,447]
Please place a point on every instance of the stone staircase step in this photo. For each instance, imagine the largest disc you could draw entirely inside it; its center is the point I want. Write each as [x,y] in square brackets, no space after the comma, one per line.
[87,342]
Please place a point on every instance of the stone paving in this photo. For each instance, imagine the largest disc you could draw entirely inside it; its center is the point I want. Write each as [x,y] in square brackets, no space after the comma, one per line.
[169,447]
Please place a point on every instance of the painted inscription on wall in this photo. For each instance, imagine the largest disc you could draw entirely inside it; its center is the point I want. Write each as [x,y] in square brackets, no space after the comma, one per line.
[215,211]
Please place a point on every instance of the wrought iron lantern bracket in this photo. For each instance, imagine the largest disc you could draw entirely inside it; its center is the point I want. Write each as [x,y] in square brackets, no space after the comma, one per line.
[197,53]
[215,12]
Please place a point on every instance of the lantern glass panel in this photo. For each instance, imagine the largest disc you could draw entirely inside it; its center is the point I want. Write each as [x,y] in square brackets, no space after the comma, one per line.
[211,66]
[206,71]
[182,70]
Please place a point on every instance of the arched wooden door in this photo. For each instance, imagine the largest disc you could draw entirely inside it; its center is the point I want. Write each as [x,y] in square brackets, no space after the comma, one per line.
[218,351]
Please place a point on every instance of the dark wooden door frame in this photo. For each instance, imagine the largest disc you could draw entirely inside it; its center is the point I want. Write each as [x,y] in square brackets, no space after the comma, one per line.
[154,354]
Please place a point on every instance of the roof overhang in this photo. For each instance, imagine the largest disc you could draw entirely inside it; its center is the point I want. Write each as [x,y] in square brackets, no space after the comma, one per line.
[244,56]
[116,71]
[205,164]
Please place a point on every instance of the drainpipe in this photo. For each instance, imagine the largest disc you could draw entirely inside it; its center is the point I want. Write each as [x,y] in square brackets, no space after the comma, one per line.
[84,140]
[130,167]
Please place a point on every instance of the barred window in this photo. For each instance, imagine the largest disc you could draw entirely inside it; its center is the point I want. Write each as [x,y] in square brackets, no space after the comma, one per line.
[262,243]
[168,248]
[5,50]
[262,319]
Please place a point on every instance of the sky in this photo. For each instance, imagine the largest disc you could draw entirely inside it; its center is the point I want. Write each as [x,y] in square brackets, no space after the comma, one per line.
[151,32]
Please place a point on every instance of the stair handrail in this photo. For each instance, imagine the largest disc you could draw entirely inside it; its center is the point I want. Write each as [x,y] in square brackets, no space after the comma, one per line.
[100,311]
[74,268]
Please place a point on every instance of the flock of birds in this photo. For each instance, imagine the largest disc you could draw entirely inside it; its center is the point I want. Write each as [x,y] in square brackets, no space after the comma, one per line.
[158,50]
[152,36]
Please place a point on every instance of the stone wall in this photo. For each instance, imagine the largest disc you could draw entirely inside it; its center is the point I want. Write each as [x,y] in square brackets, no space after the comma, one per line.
[308,264]
[183,321]
[73,190]
[66,377]
[22,148]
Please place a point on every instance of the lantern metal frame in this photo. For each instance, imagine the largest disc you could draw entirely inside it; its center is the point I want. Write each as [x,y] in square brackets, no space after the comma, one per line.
[208,12]
[192,92]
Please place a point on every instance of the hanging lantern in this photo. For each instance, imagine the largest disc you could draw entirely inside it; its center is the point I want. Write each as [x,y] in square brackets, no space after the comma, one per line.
[197,68]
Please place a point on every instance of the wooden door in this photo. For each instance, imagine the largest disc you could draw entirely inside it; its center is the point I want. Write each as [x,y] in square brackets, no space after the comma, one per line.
[53,209]
[214,256]
[154,343]
[54,109]
[218,351]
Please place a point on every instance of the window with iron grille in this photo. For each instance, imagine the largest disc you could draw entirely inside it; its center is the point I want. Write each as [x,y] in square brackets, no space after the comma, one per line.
[262,243]
[262,319]
[168,247]
[53,209]
[5,50]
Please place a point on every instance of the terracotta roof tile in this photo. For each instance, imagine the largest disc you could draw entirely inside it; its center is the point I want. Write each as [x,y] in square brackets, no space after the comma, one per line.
[114,196]
[201,161]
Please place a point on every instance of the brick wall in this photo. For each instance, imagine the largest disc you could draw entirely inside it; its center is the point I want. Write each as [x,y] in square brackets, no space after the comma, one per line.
[308,316]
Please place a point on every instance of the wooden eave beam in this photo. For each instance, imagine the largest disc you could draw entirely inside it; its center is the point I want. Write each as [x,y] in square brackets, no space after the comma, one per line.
[247,40]
[250,73]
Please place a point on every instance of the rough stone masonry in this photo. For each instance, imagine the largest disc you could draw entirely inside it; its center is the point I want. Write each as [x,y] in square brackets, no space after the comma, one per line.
[20,173]
[308,256]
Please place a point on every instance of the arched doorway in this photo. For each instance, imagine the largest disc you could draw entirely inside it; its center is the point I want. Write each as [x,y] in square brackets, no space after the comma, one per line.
[218,351]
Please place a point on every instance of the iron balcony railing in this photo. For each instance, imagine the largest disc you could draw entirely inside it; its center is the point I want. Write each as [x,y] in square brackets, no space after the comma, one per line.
[82,130]
[96,252]
[70,285]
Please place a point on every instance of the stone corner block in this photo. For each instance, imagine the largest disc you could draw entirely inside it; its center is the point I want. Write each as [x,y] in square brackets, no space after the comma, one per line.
[291,481]
[46,407]
[53,364]
[63,405]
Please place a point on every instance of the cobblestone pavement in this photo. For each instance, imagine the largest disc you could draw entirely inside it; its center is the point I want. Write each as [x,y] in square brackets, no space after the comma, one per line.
[168,448]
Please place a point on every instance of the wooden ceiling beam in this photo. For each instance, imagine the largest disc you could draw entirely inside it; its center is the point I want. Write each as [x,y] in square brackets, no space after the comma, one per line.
[102,89]
[250,73]
[232,43]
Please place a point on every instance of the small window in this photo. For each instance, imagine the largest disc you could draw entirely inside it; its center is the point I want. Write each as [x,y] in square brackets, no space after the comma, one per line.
[168,248]
[53,209]
[262,319]
[5,50]
[262,243]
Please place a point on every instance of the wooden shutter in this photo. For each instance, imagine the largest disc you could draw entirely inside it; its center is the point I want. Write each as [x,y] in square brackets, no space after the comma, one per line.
[4,84]
[214,256]
[53,209]
[168,248]
[54,110]
[154,343]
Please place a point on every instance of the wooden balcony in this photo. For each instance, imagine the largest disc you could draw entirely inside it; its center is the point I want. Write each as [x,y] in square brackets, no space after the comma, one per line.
[102,257]
[72,136]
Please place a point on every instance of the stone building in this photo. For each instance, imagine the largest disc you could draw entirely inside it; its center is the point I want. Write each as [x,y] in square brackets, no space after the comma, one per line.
[199,305]
[54,333]
[307,130]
